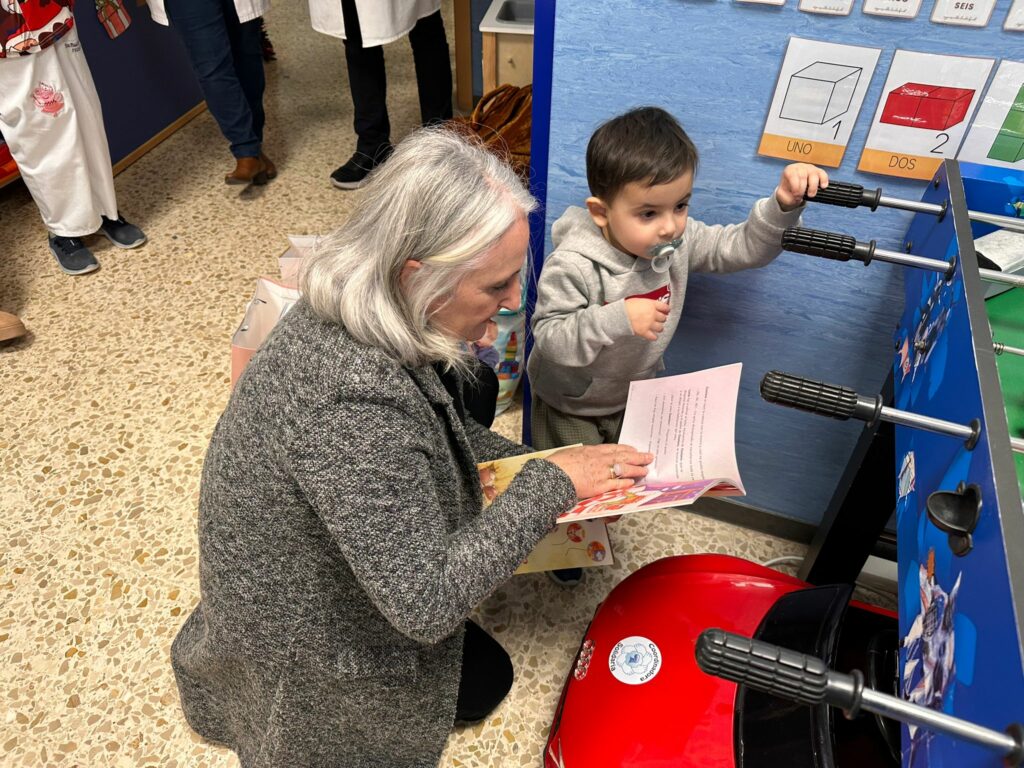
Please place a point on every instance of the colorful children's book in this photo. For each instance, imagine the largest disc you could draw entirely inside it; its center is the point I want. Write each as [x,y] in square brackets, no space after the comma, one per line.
[571,545]
[688,422]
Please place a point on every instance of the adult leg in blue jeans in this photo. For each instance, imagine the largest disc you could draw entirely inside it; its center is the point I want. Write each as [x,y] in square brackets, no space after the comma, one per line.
[226,55]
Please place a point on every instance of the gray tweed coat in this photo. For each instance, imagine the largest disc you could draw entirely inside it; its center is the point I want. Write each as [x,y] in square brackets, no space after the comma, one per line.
[342,545]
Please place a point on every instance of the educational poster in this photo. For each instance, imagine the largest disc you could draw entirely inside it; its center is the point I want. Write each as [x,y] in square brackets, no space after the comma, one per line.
[827,7]
[1015,18]
[818,95]
[963,13]
[997,135]
[901,9]
[922,116]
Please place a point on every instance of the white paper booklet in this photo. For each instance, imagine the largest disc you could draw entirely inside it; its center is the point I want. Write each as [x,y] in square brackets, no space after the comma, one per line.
[688,422]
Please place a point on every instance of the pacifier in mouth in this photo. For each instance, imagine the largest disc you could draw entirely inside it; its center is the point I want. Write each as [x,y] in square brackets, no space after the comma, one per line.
[662,253]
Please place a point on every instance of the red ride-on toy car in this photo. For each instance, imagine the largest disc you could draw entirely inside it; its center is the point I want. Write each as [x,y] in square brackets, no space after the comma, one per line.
[635,697]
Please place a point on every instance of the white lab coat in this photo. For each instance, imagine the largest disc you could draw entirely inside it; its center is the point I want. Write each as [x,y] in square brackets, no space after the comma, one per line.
[52,120]
[380,21]
[247,10]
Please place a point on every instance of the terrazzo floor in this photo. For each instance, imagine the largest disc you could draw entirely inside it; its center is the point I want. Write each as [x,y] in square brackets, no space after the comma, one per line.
[107,408]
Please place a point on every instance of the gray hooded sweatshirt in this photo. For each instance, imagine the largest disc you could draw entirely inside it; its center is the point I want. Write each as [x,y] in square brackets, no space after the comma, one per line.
[585,353]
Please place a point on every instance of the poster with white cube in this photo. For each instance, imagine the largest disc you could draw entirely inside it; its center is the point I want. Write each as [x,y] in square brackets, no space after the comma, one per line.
[818,95]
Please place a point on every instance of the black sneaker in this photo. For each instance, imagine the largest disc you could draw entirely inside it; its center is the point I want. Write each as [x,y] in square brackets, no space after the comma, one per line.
[121,233]
[72,255]
[566,577]
[352,175]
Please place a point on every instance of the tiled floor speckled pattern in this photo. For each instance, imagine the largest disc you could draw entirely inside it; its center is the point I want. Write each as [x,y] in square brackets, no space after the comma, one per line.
[106,411]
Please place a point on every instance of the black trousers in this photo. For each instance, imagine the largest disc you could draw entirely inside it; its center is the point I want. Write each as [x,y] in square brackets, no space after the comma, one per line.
[368,80]
[481,396]
[486,667]
[486,675]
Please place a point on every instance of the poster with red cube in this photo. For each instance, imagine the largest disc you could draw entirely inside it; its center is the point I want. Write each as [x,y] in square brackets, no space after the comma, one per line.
[922,117]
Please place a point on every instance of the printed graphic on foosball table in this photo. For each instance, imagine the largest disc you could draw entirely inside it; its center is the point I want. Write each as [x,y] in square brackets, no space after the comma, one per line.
[997,134]
[922,118]
[818,95]
[918,343]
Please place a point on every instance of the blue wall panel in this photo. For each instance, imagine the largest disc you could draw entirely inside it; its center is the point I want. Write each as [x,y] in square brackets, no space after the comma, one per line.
[143,77]
[713,63]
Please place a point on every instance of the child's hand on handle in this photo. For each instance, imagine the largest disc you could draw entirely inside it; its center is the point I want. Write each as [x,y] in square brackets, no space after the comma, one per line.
[647,317]
[597,469]
[799,180]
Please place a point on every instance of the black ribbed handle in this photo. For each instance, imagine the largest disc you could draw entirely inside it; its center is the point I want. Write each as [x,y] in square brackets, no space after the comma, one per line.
[846,195]
[814,242]
[808,395]
[763,666]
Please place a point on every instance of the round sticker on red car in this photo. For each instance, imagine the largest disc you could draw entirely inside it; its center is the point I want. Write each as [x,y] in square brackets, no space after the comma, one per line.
[634,660]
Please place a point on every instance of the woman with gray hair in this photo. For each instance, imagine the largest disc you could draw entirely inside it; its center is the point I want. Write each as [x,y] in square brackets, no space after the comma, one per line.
[341,531]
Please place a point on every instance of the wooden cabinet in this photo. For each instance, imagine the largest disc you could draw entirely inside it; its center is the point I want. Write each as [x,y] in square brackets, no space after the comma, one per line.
[507,43]
[507,59]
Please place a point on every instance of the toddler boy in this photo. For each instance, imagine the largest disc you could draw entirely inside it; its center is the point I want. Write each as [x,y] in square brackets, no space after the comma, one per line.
[611,293]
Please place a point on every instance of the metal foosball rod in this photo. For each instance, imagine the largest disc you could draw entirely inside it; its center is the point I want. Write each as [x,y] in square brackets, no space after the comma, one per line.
[1001,348]
[840,247]
[842,403]
[808,680]
[846,195]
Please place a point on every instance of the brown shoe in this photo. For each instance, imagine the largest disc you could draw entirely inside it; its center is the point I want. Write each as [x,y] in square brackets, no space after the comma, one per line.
[248,170]
[11,327]
[271,168]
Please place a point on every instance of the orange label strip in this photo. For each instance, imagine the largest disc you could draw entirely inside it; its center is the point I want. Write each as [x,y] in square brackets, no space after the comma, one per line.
[899,164]
[802,150]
